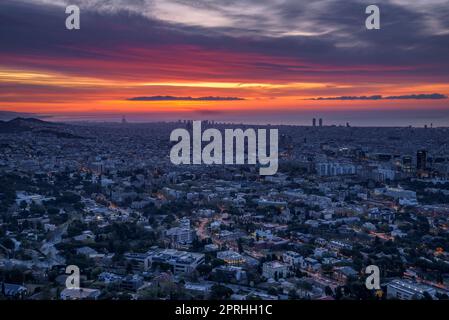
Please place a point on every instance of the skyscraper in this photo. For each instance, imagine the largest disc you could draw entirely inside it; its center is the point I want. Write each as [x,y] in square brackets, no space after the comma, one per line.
[321,122]
[407,163]
[314,122]
[421,160]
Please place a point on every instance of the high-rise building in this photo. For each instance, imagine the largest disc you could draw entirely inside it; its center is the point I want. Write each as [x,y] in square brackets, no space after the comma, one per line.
[421,160]
[314,122]
[320,122]
[407,164]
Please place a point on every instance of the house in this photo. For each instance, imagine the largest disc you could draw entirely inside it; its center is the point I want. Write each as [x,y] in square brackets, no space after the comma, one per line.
[179,261]
[231,257]
[131,283]
[109,278]
[180,235]
[310,264]
[15,291]
[86,251]
[320,252]
[211,247]
[198,288]
[321,242]
[338,245]
[274,270]
[228,273]
[85,236]
[344,273]
[80,294]
[292,258]
[139,261]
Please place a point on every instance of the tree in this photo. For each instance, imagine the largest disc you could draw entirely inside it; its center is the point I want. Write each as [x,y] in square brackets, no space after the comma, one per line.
[327,268]
[7,243]
[292,294]
[217,262]
[219,292]
[443,296]
[305,285]
[426,296]
[272,291]
[129,268]
[240,245]
[204,269]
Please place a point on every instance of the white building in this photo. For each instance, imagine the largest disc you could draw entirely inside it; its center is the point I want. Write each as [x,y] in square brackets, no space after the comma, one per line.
[180,235]
[408,290]
[231,257]
[335,169]
[80,294]
[400,193]
[139,261]
[38,199]
[180,261]
[274,270]
[384,174]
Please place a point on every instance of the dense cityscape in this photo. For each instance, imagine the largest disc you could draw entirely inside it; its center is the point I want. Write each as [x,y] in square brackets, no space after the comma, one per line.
[105,197]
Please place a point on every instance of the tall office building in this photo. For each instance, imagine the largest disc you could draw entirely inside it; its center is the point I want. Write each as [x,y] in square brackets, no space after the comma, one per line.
[321,122]
[421,160]
[407,164]
[314,122]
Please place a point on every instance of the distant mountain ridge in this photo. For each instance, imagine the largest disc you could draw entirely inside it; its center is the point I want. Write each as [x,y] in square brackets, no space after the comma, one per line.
[10,115]
[18,125]
[37,126]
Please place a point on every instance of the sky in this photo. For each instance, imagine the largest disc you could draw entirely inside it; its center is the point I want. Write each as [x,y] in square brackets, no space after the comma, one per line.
[253,61]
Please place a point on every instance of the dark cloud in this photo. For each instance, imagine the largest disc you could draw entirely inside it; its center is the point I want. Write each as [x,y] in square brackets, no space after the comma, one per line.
[208,112]
[433,96]
[172,98]
[404,41]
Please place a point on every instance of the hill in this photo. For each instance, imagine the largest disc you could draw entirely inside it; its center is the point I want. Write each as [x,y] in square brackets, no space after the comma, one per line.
[37,126]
